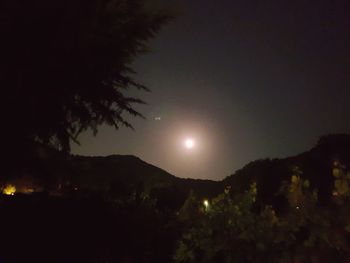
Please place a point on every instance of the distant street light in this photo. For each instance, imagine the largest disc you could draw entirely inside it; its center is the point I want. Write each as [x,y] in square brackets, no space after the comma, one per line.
[206,204]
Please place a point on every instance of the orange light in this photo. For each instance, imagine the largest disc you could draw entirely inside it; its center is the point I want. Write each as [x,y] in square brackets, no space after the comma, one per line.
[9,190]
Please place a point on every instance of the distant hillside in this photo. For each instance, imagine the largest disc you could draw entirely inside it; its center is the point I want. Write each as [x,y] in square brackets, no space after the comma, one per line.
[123,175]
[315,165]
[116,176]
[127,169]
[133,173]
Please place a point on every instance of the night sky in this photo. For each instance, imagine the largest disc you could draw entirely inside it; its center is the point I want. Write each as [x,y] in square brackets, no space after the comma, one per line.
[244,79]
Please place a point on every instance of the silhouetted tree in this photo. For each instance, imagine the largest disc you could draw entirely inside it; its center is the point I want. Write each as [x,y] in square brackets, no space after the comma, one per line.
[65,65]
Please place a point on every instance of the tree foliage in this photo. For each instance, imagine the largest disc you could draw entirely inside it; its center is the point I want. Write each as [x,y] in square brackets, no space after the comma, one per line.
[65,65]
[235,229]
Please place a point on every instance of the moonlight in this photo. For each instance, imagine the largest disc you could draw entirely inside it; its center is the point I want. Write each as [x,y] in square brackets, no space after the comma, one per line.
[189,143]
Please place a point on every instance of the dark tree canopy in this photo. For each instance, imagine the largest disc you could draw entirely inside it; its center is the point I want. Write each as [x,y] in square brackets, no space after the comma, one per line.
[65,65]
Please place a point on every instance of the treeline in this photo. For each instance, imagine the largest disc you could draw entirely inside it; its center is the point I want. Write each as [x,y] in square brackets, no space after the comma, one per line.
[232,227]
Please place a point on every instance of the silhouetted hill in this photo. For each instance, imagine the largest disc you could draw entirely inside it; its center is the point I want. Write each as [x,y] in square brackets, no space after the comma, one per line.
[115,176]
[315,165]
[112,173]
[124,175]
[103,171]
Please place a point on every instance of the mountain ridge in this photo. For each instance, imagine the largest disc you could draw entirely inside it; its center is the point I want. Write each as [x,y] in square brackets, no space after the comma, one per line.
[121,175]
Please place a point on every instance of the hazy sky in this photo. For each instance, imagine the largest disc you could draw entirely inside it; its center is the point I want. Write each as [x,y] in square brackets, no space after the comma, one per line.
[245,79]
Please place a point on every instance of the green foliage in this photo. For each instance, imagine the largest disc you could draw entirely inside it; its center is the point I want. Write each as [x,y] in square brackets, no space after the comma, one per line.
[190,209]
[236,230]
[230,231]
[342,180]
[298,192]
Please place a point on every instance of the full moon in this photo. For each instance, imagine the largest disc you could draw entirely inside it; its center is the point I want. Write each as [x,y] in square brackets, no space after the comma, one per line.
[189,143]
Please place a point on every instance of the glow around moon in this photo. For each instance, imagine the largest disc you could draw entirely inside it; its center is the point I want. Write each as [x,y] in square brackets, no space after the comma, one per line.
[189,143]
